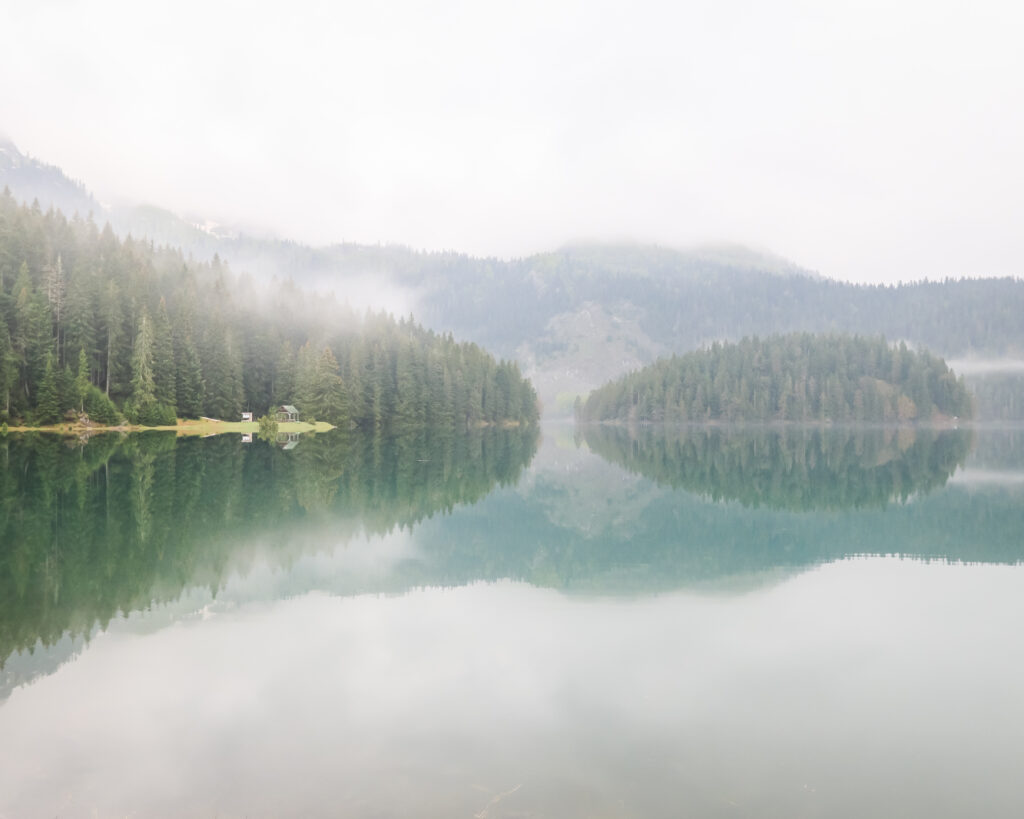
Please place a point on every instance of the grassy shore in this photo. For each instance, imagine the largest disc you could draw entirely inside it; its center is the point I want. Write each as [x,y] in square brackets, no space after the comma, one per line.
[185,426]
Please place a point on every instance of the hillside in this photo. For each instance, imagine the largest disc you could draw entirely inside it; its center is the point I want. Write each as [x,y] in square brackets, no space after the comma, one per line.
[796,377]
[30,179]
[88,322]
[578,316]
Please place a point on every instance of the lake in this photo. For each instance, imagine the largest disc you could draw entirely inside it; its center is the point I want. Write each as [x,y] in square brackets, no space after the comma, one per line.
[577,623]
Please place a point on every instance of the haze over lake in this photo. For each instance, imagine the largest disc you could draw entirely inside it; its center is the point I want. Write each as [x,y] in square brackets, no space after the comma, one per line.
[517,410]
[416,626]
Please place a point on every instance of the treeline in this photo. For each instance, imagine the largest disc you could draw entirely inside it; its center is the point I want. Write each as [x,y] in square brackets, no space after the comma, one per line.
[684,300]
[89,323]
[998,396]
[797,377]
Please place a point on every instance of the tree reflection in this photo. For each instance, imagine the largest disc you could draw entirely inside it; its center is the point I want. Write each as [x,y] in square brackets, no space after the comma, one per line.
[90,529]
[794,468]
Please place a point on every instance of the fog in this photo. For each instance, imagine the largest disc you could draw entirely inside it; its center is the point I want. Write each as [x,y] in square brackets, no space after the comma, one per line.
[441,701]
[987,366]
[870,142]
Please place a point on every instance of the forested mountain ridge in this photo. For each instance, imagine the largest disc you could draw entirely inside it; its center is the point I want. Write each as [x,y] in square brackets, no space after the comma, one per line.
[31,179]
[91,322]
[797,377]
[576,317]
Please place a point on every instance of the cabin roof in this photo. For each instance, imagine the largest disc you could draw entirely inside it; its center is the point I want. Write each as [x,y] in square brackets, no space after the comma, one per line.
[289,408]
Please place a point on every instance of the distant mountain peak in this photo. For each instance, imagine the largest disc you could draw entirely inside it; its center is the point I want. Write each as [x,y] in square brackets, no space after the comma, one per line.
[9,153]
[740,255]
[29,179]
[658,260]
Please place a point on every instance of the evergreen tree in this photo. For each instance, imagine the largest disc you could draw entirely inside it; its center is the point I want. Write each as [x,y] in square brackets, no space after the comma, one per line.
[222,372]
[284,375]
[829,378]
[328,397]
[56,288]
[48,410]
[143,384]
[113,334]
[305,382]
[8,368]
[82,380]
[159,333]
[189,388]
[164,386]
[32,338]
[80,332]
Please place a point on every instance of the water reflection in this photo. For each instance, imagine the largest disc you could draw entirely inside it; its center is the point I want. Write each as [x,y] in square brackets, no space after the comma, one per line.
[689,657]
[119,524]
[795,468]
[90,529]
[837,694]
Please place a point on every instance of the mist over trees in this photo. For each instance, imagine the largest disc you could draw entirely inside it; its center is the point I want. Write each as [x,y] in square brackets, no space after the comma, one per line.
[92,323]
[575,317]
[796,377]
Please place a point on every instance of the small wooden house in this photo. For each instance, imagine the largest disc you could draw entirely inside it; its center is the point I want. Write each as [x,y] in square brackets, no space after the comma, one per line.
[286,412]
[246,416]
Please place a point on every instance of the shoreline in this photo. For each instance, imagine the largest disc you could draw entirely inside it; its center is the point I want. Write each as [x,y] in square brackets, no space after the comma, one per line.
[184,427]
[208,426]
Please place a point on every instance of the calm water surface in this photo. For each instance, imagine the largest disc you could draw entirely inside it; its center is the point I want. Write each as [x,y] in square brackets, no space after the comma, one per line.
[693,623]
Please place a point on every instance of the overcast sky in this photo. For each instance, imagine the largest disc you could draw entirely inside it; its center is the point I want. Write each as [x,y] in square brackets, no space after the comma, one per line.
[872,141]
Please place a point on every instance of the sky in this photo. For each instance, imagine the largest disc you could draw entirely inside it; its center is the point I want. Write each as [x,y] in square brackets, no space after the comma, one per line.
[868,141]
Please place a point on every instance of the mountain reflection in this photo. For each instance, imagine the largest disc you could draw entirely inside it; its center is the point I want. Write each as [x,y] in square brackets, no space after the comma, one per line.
[88,530]
[121,524]
[791,468]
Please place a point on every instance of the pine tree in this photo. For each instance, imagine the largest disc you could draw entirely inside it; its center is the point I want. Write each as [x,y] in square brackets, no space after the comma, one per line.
[284,375]
[143,386]
[355,381]
[305,382]
[80,324]
[189,388]
[56,288]
[222,373]
[48,407]
[8,368]
[112,336]
[82,383]
[329,397]
[32,336]
[164,386]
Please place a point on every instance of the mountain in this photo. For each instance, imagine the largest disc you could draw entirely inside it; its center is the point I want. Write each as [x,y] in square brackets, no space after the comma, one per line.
[31,180]
[579,316]
[802,377]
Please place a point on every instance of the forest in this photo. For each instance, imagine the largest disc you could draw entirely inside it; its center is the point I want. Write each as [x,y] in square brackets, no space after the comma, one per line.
[796,377]
[90,323]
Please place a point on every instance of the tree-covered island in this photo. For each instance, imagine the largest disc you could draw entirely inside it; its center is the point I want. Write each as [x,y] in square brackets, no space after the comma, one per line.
[124,330]
[800,377]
